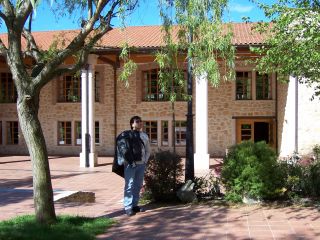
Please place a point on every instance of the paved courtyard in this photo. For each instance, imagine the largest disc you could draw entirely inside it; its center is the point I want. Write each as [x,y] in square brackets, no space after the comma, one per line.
[158,222]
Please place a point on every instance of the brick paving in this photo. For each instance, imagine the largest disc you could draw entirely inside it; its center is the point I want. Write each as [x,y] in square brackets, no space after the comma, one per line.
[158,222]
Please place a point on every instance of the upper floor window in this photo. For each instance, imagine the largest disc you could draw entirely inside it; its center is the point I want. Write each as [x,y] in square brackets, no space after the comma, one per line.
[151,129]
[8,92]
[69,88]
[152,90]
[12,132]
[263,87]
[243,85]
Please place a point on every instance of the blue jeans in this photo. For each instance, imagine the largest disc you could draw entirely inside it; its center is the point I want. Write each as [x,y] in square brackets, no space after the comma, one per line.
[133,177]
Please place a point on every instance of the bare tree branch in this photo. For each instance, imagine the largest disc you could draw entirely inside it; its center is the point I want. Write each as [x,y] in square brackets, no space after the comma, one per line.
[30,21]
[32,47]
[3,16]
[89,8]
[23,12]
[78,43]
[60,70]
[8,8]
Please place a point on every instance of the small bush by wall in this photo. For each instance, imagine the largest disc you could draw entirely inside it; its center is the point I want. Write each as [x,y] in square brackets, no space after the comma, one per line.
[163,176]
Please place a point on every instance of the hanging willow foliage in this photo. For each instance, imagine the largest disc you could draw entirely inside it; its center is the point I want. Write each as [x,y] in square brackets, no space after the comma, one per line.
[210,52]
[196,32]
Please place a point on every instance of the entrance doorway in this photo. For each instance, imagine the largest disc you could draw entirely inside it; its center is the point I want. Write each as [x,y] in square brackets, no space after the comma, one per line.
[256,129]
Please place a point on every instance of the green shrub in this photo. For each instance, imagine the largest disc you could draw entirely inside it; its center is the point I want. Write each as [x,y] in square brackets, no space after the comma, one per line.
[163,176]
[251,169]
[316,152]
[314,178]
[295,179]
[301,180]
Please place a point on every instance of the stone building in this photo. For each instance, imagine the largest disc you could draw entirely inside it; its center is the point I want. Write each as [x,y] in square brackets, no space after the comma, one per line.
[255,106]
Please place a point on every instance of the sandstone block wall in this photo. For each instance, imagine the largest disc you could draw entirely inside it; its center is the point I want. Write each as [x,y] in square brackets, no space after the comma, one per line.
[223,109]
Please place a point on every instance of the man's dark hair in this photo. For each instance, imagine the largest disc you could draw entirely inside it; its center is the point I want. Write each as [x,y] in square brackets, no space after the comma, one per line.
[134,118]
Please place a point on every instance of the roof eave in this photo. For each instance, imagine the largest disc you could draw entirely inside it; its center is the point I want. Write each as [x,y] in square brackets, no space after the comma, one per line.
[146,50]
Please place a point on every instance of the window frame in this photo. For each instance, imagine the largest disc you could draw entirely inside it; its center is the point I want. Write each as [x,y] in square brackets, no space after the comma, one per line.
[67,135]
[163,133]
[79,134]
[12,129]
[62,96]
[149,130]
[178,134]
[244,81]
[264,78]
[8,91]
[97,133]
[150,87]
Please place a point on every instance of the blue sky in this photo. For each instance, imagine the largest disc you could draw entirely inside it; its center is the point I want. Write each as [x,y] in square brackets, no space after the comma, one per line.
[146,14]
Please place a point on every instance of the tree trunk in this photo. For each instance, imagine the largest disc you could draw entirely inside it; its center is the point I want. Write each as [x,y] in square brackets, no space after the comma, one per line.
[28,107]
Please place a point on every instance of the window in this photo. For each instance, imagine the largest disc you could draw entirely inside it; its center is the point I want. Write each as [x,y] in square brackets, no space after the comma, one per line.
[64,133]
[78,136]
[97,135]
[8,92]
[243,85]
[152,90]
[180,133]
[164,133]
[69,88]
[151,129]
[77,131]
[97,88]
[246,132]
[12,132]
[263,87]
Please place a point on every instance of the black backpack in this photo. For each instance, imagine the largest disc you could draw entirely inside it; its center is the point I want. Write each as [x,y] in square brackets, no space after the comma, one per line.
[128,148]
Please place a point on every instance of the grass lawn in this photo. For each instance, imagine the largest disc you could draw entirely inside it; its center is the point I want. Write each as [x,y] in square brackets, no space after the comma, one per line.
[67,227]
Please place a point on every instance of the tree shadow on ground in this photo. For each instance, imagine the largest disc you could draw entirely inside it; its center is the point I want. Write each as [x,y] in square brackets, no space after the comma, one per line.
[192,222]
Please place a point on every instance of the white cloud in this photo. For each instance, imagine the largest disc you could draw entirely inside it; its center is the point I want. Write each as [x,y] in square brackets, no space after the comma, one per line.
[236,7]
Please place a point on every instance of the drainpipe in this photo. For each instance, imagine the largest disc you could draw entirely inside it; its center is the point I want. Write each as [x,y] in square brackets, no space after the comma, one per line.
[276,83]
[115,85]
[115,100]
[296,115]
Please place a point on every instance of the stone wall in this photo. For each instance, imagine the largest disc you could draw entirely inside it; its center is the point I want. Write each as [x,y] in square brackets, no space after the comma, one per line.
[223,109]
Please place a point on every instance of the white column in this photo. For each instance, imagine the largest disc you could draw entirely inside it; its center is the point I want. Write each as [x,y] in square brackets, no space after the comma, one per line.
[201,156]
[84,155]
[288,134]
[88,154]
[92,154]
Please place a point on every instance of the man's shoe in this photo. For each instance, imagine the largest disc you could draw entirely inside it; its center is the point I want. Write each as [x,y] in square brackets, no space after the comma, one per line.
[137,209]
[130,212]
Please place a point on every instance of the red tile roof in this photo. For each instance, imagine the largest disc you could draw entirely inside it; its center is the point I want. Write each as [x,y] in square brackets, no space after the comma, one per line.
[139,36]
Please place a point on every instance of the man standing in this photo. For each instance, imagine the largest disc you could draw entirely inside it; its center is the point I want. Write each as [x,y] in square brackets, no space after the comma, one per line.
[134,172]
